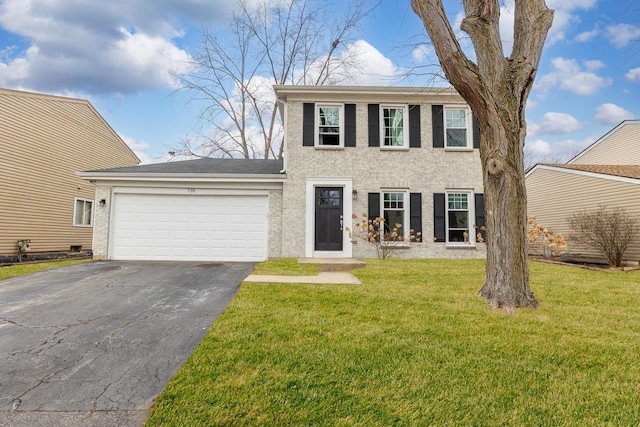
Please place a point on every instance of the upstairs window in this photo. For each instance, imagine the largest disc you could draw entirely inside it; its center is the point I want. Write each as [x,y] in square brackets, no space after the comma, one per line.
[457,128]
[329,126]
[392,124]
[83,213]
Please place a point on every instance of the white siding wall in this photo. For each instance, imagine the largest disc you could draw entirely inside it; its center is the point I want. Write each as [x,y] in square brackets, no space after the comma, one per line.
[621,147]
[553,196]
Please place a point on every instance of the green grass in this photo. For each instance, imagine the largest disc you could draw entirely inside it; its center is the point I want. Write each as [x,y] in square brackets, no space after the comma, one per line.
[20,269]
[286,267]
[415,346]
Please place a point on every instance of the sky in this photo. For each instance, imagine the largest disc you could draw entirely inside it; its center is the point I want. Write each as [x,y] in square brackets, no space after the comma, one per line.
[122,55]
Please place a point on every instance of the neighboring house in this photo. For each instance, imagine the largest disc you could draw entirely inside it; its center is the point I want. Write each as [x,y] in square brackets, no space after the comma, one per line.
[606,173]
[45,141]
[406,154]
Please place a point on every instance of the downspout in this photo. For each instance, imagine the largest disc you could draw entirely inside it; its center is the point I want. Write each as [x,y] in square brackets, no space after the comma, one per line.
[284,138]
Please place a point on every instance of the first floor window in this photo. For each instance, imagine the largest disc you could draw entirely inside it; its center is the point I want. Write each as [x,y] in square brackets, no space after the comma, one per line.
[456,128]
[394,212]
[83,212]
[393,122]
[458,217]
[329,125]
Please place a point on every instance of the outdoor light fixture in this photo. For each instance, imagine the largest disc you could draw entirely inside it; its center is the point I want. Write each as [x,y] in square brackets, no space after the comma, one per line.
[354,194]
[103,202]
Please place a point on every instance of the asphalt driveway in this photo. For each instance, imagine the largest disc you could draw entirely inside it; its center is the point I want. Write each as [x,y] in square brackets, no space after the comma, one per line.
[93,344]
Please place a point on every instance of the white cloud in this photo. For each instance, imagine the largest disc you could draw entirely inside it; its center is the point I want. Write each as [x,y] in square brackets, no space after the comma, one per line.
[593,65]
[421,53]
[507,20]
[121,46]
[568,75]
[633,75]
[611,114]
[139,148]
[537,148]
[587,36]
[571,4]
[554,124]
[368,66]
[564,17]
[540,151]
[621,35]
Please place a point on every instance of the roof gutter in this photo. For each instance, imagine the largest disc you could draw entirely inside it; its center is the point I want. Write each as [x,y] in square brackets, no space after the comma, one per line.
[184,177]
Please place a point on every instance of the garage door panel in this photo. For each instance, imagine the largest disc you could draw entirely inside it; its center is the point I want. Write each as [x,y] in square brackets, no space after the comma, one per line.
[172,227]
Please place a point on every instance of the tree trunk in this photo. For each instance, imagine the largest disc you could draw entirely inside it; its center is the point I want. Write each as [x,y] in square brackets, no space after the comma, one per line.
[496,88]
[507,272]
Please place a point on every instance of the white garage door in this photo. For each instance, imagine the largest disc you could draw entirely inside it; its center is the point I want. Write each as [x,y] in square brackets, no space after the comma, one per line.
[189,228]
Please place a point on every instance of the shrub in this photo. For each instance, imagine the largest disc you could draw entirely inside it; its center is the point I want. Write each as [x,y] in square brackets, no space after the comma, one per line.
[543,240]
[610,231]
[385,240]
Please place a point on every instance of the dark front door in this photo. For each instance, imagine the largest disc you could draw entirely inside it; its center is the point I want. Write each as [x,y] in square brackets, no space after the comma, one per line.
[328,219]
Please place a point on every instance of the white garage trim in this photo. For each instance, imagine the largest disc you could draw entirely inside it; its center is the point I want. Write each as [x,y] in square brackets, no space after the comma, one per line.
[182,225]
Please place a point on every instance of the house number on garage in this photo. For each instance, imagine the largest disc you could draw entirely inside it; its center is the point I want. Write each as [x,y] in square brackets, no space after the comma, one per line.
[191,190]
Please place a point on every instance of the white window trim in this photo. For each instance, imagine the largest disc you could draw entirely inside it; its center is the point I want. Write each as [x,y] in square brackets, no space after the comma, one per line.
[471,243]
[405,116]
[347,206]
[407,212]
[469,124]
[75,205]
[317,127]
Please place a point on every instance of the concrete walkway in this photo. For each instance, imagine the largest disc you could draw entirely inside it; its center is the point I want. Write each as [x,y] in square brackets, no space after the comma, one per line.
[324,277]
[333,271]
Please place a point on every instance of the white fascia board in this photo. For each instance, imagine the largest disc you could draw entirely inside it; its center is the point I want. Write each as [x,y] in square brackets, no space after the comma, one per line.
[302,92]
[188,177]
[585,173]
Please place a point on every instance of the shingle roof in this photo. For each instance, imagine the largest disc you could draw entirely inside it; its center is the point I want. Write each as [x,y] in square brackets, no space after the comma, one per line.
[205,166]
[627,171]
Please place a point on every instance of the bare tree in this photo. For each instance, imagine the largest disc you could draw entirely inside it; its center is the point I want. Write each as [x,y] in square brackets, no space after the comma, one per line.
[266,43]
[496,88]
[609,231]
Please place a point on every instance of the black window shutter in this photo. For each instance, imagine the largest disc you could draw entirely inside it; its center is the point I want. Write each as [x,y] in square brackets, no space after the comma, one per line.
[415,214]
[480,219]
[374,205]
[476,133]
[350,125]
[414,126]
[374,125]
[308,124]
[437,121]
[439,213]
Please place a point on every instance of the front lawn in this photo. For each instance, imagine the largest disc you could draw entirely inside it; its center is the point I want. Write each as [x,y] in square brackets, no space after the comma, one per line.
[28,268]
[414,346]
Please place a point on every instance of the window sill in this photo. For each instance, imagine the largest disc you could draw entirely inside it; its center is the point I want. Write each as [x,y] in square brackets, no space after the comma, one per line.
[461,245]
[330,147]
[83,225]
[394,148]
[459,149]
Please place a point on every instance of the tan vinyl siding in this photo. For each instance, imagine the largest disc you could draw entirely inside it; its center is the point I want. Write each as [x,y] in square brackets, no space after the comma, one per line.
[45,141]
[554,195]
[620,147]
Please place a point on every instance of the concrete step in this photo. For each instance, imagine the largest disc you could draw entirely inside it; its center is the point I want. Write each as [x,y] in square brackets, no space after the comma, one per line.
[334,264]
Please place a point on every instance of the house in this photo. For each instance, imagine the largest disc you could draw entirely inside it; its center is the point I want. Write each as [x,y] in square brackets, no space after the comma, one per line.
[45,140]
[607,173]
[409,155]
